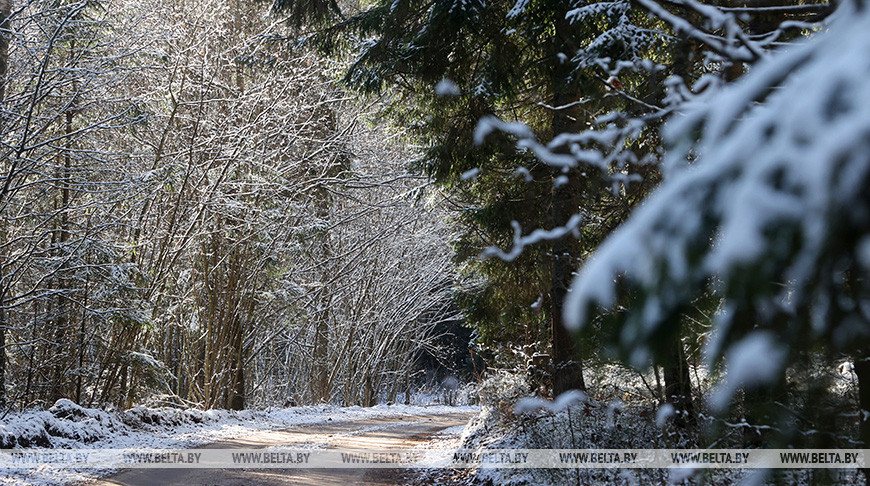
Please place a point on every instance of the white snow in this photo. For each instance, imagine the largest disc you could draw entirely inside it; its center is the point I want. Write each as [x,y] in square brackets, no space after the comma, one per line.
[489,124]
[532,405]
[518,9]
[446,87]
[455,431]
[470,174]
[527,176]
[664,413]
[536,236]
[754,360]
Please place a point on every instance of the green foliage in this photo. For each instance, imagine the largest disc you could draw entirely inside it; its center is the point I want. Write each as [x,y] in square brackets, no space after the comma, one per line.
[299,12]
[519,63]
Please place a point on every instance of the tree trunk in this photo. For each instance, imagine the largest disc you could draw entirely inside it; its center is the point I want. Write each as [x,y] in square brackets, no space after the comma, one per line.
[237,399]
[320,389]
[3,402]
[5,9]
[320,368]
[81,346]
[567,369]
[678,385]
[862,371]
[122,394]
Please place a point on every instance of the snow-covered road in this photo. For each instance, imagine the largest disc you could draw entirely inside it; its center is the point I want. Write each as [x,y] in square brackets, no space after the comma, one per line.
[66,427]
[401,432]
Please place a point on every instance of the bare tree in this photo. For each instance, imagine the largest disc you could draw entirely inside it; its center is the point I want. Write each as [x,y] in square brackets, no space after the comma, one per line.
[182,216]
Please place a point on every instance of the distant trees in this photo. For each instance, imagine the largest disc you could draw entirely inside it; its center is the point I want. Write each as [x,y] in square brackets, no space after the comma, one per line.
[56,233]
[5,11]
[179,211]
[543,63]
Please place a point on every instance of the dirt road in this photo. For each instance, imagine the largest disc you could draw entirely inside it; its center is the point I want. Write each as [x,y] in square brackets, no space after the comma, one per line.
[381,433]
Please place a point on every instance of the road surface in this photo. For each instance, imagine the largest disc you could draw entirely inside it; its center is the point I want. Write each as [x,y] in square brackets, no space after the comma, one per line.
[403,432]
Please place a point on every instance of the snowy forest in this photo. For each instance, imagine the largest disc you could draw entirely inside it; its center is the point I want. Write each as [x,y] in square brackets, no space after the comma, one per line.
[621,224]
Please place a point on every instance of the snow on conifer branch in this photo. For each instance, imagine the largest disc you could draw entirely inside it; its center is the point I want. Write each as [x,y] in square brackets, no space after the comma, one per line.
[773,209]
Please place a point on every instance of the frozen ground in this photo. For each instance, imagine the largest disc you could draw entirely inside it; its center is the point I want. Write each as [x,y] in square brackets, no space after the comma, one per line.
[68,426]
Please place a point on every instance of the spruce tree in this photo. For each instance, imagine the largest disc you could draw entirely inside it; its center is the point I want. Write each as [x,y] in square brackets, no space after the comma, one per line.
[765,208]
[544,63]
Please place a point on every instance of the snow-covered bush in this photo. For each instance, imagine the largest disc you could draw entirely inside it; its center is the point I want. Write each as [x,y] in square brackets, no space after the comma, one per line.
[570,422]
[67,424]
[29,432]
[502,390]
[62,424]
[167,416]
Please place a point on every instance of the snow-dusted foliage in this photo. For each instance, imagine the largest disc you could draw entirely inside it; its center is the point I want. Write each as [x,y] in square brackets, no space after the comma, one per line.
[502,391]
[773,214]
[572,421]
[604,421]
[531,405]
[635,40]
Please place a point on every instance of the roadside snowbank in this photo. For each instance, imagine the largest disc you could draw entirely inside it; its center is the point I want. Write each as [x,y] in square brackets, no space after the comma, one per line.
[622,415]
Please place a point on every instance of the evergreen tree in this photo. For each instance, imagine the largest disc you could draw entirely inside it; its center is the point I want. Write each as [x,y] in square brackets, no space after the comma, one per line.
[704,47]
[771,217]
[543,63]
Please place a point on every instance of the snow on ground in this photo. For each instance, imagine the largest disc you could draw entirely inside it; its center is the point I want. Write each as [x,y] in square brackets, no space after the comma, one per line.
[597,424]
[68,426]
[619,416]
